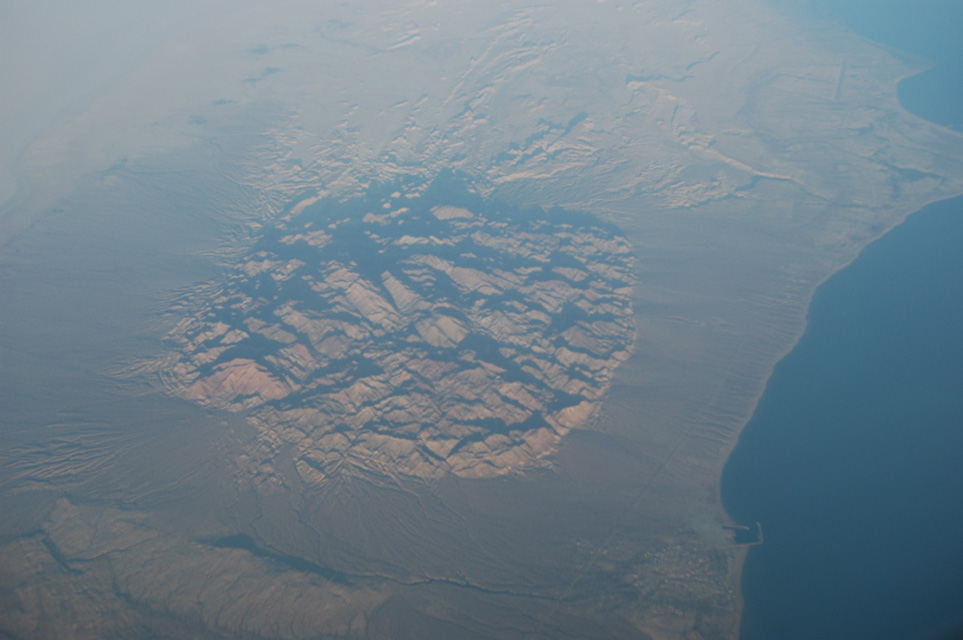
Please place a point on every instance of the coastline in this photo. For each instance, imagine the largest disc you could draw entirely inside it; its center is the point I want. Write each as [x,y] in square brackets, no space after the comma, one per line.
[712,324]
[705,421]
[741,556]
[907,379]
[743,550]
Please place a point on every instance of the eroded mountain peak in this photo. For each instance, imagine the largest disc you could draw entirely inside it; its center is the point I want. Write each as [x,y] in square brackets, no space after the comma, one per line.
[417,330]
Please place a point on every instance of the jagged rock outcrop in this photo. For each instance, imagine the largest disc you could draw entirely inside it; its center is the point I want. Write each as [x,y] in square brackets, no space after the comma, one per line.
[415,332]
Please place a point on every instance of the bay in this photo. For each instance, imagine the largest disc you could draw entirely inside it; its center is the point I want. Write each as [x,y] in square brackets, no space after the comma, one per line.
[929,29]
[853,461]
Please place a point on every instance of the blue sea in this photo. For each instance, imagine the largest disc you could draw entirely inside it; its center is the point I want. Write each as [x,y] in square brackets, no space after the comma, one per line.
[853,462]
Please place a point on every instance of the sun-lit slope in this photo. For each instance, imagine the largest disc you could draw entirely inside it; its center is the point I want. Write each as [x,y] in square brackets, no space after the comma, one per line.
[399,334]
[745,154]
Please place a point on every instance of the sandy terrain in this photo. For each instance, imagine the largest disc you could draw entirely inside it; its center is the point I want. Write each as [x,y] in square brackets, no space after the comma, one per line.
[745,155]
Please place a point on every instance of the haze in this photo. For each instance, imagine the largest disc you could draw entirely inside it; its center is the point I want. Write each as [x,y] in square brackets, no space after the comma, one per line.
[414,319]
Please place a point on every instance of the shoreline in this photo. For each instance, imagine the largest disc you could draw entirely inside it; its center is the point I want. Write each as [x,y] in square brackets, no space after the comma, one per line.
[713,323]
[937,210]
[742,555]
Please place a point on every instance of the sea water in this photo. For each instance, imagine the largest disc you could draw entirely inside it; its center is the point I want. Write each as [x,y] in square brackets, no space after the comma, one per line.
[853,462]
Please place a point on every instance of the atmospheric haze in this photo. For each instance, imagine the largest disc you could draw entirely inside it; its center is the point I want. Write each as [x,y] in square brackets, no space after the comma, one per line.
[414,319]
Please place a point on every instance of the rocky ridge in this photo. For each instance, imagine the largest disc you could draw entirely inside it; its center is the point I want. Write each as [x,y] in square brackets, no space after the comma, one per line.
[418,330]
